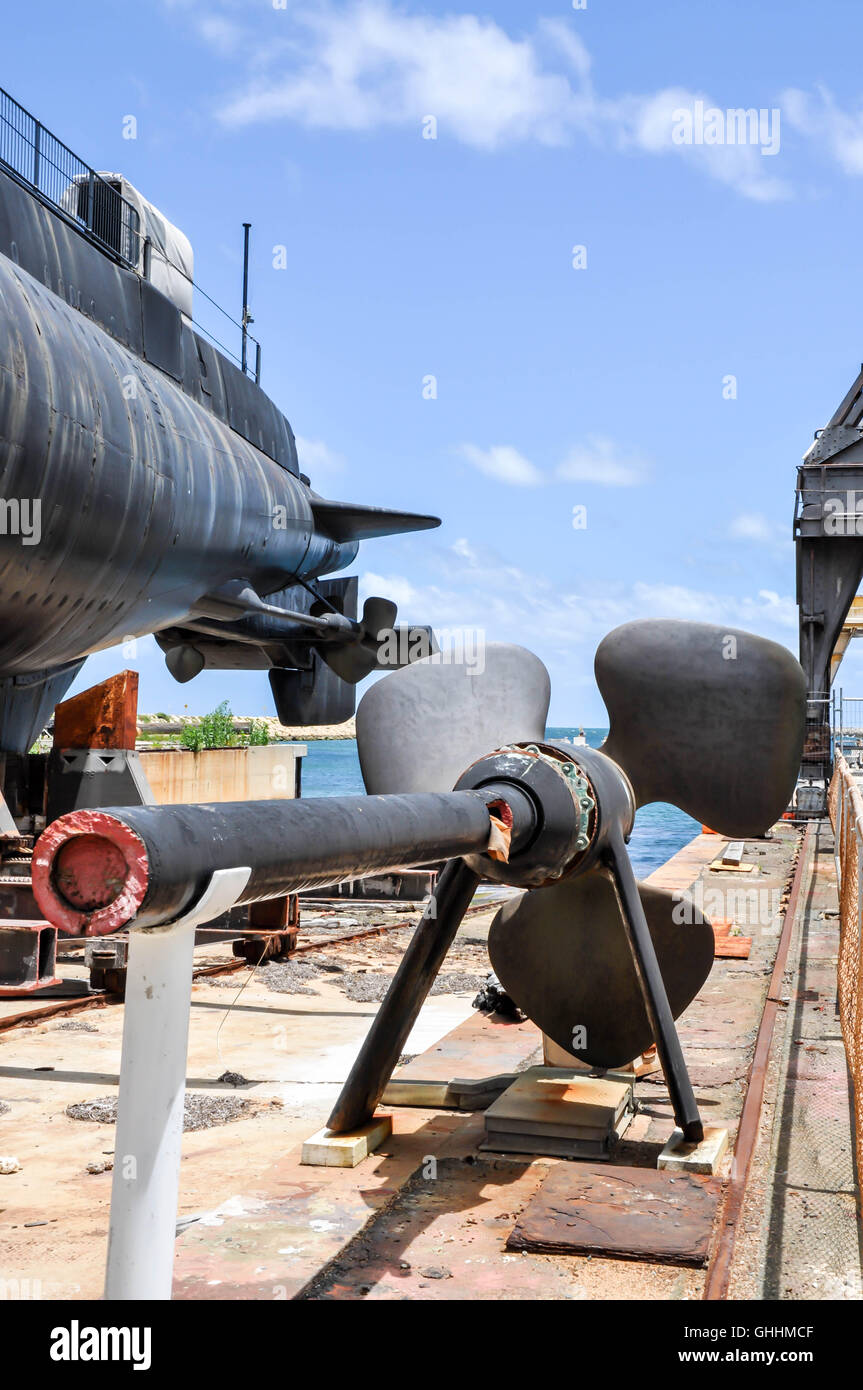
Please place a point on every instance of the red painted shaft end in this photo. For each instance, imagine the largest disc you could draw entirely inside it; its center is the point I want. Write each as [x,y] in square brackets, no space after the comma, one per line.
[90,873]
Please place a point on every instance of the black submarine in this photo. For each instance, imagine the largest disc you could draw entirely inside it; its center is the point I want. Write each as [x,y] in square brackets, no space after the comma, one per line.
[149,485]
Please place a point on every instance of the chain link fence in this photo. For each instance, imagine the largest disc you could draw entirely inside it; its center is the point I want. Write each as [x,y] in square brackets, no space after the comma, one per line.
[845,805]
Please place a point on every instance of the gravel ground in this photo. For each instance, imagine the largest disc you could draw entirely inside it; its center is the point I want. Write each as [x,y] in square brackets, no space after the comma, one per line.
[289,977]
[199,1112]
[361,986]
[363,968]
[364,987]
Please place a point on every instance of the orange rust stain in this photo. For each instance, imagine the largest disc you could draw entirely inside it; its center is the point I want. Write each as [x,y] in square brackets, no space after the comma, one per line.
[105,716]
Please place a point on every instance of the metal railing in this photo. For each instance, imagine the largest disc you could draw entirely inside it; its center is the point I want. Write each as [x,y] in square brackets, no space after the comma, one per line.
[96,209]
[241,361]
[845,805]
[847,727]
[38,159]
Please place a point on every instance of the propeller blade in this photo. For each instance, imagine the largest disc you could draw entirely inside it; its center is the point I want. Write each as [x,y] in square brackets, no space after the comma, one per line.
[709,718]
[562,954]
[358,657]
[418,729]
[379,615]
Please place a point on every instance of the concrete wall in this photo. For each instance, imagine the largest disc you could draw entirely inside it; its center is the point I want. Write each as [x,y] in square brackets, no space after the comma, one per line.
[268,773]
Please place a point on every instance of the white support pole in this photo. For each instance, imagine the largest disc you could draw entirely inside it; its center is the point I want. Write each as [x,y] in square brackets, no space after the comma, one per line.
[152,1088]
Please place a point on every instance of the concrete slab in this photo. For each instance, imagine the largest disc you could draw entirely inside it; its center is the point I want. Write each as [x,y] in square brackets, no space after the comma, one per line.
[680,1157]
[561,1099]
[294,1050]
[424,1095]
[328,1150]
[462,1093]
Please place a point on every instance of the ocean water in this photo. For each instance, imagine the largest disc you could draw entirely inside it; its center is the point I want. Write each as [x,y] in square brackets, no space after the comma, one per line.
[332,768]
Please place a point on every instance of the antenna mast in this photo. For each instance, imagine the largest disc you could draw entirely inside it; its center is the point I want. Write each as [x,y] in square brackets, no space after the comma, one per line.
[247,318]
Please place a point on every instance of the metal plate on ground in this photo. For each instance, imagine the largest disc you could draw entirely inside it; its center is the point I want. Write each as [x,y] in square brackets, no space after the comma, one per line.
[622,1213]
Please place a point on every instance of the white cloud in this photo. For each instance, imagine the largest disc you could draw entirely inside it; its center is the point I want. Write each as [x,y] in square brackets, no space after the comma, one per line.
[465,551]
[765,608]
[600,460]
[368,65]
[773,537]
[647,123]
[841,132]
[365,65]
[480,589]
[751,526]
[220,33]
[400,590]
[503,463]
[317,458]
[597,460]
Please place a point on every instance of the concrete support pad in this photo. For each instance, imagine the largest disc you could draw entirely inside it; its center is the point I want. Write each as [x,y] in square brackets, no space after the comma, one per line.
[462,1093]
[427,1095]
[559,1112]
[678,1157]
[328,1150]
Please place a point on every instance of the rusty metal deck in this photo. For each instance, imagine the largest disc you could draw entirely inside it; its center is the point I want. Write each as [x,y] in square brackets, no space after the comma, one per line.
[427,1217]
[430,1203]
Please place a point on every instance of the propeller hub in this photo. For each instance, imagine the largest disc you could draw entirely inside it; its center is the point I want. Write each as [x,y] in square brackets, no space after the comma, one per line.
[613,796]
[563,811]
[578,795]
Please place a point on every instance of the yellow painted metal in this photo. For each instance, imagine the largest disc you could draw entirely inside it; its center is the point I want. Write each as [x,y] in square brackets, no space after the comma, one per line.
[852,627]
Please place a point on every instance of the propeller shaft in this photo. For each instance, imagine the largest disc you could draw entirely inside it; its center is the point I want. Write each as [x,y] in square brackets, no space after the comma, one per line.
[94,872]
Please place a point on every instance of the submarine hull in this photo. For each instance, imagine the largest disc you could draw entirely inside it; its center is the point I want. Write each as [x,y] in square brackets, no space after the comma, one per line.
[137,501]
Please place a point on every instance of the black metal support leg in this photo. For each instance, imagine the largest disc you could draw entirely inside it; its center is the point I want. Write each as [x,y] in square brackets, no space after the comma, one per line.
[653,989]
[405,997]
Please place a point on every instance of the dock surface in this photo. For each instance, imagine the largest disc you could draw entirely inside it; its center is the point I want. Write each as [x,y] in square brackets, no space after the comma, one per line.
[429,1216]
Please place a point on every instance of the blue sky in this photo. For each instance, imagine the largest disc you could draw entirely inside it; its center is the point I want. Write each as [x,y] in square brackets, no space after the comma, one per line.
[602,387]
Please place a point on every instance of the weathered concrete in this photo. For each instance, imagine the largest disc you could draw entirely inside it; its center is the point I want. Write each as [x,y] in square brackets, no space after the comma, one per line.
[458,1210]
[295,1051]
[800,1238]
[257,1224]
[260,773]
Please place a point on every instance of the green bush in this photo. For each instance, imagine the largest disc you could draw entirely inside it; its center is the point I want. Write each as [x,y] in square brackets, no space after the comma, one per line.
[216,730]
[192,738]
